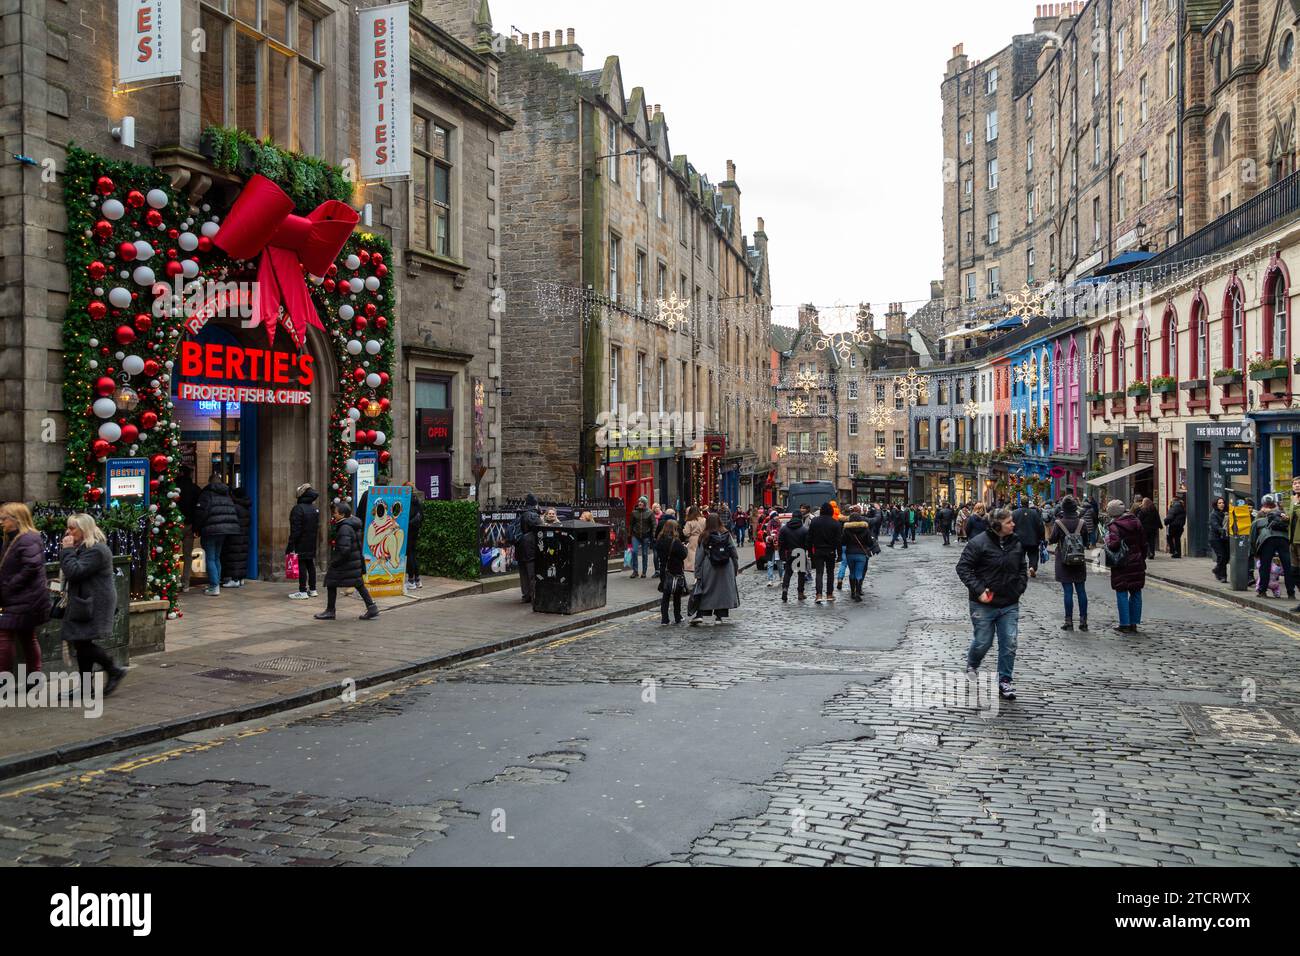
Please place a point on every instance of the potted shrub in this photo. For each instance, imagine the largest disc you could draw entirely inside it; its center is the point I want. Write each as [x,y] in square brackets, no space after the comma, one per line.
[1164,384]
[1227,376]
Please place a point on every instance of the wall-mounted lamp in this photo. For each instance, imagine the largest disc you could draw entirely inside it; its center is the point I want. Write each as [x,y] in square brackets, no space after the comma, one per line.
[368,215]
[125,133]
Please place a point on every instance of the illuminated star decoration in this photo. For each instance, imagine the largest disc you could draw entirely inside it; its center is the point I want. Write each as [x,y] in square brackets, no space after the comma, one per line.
[880,453]
[672,311]
[806,381]
[798,407]
[830,457]
[780,451]
[880,415]
[912,388]
[972,409]
[1027,304]
[1027,374]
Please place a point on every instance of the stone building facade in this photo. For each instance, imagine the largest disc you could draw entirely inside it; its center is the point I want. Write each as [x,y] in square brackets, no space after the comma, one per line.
[284,70]
[603,222]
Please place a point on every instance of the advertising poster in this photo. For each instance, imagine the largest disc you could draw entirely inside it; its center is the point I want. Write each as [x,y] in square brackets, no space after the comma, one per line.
[126,481]
[385,88]
[386,521]
[367,469]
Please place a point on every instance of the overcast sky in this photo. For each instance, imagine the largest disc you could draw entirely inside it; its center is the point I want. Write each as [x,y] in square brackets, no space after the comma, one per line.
[830,110]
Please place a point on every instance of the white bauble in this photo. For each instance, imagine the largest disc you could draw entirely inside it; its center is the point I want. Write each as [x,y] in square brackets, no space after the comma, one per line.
[189,268]
[110,431]
[372,380]
[143,275]
[355,284]
[380,438]
[354,414]
[156,198]
[119,298]
[352,466]
[372,283]
[209,229]
[133,365]
[143,251]
[104,407]
[346,312]
[187,241]
[352,262]
[353,347]
[113,209]
[374,346]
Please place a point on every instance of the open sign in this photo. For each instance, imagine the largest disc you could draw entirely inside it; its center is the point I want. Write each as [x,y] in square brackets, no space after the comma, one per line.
[435,429]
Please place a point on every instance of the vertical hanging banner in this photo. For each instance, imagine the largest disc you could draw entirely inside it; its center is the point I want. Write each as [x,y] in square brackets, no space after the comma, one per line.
[385,91]
[148,40]
[387,523]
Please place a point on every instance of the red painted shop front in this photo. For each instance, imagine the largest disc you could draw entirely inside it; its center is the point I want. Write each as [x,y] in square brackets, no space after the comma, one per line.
[628,481]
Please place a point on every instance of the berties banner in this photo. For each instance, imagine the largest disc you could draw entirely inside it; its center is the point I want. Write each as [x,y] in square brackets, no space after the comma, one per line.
[385,91]
[148,40]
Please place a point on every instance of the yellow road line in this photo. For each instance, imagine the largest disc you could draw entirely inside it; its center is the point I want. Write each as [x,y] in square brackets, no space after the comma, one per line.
[571,639]
[1226,605]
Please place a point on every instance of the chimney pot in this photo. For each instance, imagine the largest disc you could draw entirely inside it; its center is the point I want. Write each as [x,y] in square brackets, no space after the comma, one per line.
[571,40]
[731,169]
[760,224]
[546,38]
[537,41]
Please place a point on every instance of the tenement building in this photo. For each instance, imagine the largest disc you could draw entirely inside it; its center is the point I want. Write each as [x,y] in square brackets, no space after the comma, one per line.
[209,161]
[636,354]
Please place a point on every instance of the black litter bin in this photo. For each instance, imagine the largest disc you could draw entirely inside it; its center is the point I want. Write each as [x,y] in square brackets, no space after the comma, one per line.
[572,567]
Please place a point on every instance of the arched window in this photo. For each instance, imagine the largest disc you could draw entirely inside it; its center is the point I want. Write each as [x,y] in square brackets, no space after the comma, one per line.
[1222,143]
[1216,55]
[1234,326]
[1058,398]
[1142,339]
[1199,331]
[1073,416]
[1170,351]
[1098,364]
[1277,314]
[1228,37]
[1119,373]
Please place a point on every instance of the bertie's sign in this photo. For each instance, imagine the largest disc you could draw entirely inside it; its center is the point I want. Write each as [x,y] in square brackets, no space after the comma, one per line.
[213,371]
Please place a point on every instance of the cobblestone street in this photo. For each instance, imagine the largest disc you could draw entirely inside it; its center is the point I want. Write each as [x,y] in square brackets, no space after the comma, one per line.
[784,737]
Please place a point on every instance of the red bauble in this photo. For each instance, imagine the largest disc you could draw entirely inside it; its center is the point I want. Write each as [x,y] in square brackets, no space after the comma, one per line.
[104,185]
[384,457]
[332,270]
[151,367]
[385,404]
[154,218]
[126,251]
[383,378]
[94,494]
[148,420]
[129,434]
[97,270]
[381,271]
[158,463]
[100,448]
[365,437]
[171,253]
[173,233]
[381,323]
[359,374]
[361,322]
[173,269]
[143,322]
[103,229]
[371,308]
[97,310]
[135,199]
[329,285]
[154,485]
[205,244]
[105,386]
[376,257]
[125,335]
[363,256]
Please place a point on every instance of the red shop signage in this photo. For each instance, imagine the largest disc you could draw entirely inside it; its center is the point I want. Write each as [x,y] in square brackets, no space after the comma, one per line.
[213,371]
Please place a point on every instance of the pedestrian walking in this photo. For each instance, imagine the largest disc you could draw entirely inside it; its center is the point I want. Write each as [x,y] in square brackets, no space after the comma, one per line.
[187,503]
[946,517]
[792,546]
[824,536]
[304,532]
[215,519]
[1032,534]
[24,588]
[978,522]
[1175,522]
[1071,561]
[692,531]
[1089,513]
[740,522]
[775,563]
[89,598]
[994,569]
[1293,531]
[1149,517]
[347,563]
[1269,539]
[525,542]
[716,567]
[1126,553]
[414,522]
[234,550]
[671,551]
[1219,539]
[859,546]
[643,535]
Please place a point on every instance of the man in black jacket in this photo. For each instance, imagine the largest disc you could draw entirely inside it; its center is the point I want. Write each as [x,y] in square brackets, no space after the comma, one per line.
[526,547]
[1175,522]
[946,517]
[995,573]
[824,538]
[1032,533]
[215,519]
[792,544]
[304,530]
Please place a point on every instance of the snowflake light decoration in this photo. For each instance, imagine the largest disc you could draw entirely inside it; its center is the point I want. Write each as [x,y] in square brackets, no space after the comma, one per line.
[911,387]
[1027,304]
[881,416]
[1027,374]
[798,407]
[972,409]
[780,451]
[880,453]
[830,457]
[672,311]
[806,381]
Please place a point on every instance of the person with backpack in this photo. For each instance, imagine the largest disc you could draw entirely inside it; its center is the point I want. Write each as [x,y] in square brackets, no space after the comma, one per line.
[347,564]
[522,534]
[1269,540]
[1126,553]
[716,567]
[1071,561]
[671,552]
[304,529]
[1032,534]
[993,568]
[824,543]
[792,546]
[859,546]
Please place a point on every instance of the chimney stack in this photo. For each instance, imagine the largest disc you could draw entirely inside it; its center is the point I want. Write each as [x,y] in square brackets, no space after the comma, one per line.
[807,316]
[567,56]
[731,170]
[760,224]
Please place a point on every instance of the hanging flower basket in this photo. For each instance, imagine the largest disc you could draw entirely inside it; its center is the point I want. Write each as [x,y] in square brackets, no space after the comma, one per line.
[1164,384]
[1139,390]
[1268,373]
[1227,376]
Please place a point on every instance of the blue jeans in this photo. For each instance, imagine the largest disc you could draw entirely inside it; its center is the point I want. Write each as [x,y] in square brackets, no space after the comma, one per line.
[1005,621]
[212,558]
[844,563]
[1070,590]
[856,565]
[1130,608]
[775,568]
[643,548]
[740,534]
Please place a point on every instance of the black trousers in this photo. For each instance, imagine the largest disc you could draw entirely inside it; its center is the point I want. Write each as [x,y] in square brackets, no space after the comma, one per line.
[306,574]
[88,655]
[1220,549]
[332,594]
[824,562]
[676,598]
[1175,542]
[1281,548]
[527,578]
[1153,537]
[789,571]
[947,535]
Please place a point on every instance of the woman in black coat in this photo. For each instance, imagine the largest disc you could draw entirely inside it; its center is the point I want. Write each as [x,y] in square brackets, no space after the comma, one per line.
[24,589]
[1219,539]
[1149,517]
[87,566]
[414,521]
[304,530]
[1175,521]
[215,519]
[347,563]
[671,552]
[234,550]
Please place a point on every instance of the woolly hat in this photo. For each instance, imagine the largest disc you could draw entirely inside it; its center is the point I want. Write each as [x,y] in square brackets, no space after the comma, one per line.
[302,489]
[1115,509]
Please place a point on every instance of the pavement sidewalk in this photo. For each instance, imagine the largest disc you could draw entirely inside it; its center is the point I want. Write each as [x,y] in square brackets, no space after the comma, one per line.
[1195,573]
[291,661]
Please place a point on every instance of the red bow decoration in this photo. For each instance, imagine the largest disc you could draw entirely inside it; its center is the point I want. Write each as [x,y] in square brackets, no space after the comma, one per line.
[262,221]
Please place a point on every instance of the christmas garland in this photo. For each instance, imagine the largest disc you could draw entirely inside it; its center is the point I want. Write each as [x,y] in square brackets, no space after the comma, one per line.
[129,238]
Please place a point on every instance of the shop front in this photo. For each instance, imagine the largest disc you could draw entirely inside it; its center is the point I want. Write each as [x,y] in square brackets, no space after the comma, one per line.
[1278,433]
[879,491]
[932,482]
[1221,464]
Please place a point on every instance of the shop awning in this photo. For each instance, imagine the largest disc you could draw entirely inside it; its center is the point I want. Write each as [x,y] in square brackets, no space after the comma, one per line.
[1117,475]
